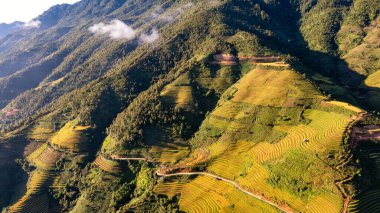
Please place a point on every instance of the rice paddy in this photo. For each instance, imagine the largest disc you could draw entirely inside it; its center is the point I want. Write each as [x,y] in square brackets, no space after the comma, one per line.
[368,202]
[206,194]
[260,121]
[344,105]
[179,93]
[325,204]
[324,132]
[37,203]
[255,179]
[107,165]
[169,152]
[45,157]
[71,137]
[34,200]
[44,129]
[271,88]
[40,133]
[169,189]
[233,162]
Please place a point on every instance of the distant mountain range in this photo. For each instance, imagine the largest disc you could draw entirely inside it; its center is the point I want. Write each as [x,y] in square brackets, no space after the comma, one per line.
[6,29]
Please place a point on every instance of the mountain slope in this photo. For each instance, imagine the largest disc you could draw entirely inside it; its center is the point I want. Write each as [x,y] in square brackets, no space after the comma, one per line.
[252,93]
[6,29]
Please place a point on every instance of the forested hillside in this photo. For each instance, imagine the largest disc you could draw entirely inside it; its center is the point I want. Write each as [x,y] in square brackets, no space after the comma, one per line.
[195,106]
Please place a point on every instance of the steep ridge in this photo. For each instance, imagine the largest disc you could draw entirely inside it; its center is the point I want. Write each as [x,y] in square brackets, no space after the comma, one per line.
[227,88]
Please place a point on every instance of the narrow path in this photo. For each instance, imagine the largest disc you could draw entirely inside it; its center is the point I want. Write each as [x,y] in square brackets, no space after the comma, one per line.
[262,198]
[136,159]
[228,181]
[115,157]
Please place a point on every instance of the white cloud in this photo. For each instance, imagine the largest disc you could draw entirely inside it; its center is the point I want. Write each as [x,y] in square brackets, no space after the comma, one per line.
[116,29]
[150,38]
[157,12]
[33,24]
[170,17]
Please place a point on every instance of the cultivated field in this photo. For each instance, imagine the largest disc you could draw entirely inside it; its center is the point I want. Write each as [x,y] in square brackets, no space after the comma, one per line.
[263,137]
[207,194]
[35,199]
[71,137]
[179,93]
[368,202]
[107,165]
[45,157]
[169,152]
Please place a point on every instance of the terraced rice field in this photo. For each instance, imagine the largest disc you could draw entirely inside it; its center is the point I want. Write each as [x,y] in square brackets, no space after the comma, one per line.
[231,110]
[330,128]
[45,157]
[196,157]
[344,105]
[220,123]
[180,96]
[44,129]
[256,180]
[57,183]
[248,173]
[107,165]
[206,194]
[40,133]
[368,202]
[325,204]
[325,132]
[179,92]
[37,203]
[37,152]
[267,101]
[233,162]
[71,137]
[170,189]
[271,88]
[169,152]
[32,201]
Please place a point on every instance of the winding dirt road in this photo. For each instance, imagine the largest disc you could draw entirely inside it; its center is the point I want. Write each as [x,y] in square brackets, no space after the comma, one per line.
[262,198]
[228,181]
[115,157]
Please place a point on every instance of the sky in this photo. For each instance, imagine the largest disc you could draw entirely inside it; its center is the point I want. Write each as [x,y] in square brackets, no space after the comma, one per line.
[25,10]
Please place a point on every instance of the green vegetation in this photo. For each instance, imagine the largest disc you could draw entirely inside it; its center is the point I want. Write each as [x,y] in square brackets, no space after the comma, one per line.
[297,173]
[269,94]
